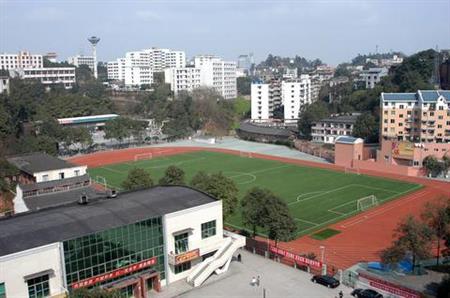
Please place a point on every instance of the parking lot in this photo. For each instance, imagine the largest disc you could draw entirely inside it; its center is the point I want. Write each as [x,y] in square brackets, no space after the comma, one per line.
[278,280]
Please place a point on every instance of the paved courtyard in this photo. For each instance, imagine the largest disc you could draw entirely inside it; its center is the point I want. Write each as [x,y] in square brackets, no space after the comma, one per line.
[277,279]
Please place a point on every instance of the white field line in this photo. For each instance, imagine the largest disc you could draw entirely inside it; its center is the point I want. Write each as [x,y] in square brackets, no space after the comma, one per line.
[377,188]
[306,221]
[113,170]
[321,194]
[382,210]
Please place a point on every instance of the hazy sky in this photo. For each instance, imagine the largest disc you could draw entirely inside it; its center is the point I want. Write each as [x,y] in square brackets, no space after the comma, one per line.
[333,30]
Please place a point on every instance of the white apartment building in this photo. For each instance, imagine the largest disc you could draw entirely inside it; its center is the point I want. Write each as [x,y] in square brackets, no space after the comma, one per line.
[4,84]
[185,78]
[327,130]
[21,60]
[373,76]
[218,74]
[261,102]
[294,95]
[82,60]
[137,67]
[48,76]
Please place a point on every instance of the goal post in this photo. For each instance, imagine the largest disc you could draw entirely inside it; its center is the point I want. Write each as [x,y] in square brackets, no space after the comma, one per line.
[366,203]
[143,156]
[100,180]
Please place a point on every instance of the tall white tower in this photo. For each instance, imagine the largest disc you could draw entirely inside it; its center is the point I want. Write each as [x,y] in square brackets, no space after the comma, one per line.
[94,41]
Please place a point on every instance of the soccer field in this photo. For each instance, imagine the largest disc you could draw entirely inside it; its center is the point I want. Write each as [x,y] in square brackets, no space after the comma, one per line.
[316,197]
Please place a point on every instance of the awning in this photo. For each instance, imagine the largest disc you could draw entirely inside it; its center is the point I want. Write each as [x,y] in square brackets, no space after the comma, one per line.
[187,230]
[49,272]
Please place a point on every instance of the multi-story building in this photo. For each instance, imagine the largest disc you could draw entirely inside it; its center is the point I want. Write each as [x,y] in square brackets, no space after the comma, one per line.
[137,67]
[265,98]
[294,95]
[268,97]
[414,125]
[245,62]
[82,60]
[21,60]
[327,130]
[135,243]
[218,74]
[186,78]
[48,76]
[373,76]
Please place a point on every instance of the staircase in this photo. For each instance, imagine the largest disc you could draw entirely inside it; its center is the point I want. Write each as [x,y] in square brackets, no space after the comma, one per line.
[219,262]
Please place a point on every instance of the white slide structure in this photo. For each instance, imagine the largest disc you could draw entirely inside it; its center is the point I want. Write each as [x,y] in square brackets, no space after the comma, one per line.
[219,262]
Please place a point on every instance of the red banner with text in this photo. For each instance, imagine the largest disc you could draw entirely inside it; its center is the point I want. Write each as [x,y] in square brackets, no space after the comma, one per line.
[299,259]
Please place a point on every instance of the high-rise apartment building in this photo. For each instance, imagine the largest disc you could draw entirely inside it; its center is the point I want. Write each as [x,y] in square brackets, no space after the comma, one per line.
[137,67]
[183,78]
[21,60]
[266,98]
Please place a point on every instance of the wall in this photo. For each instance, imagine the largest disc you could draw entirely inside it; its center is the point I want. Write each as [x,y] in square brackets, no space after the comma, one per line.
[14,267]
[54,175]
[346,153]
[192,218]
[380,166]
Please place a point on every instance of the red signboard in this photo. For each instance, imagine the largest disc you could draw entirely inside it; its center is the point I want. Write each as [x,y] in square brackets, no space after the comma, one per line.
[389,287]
[187,256]
[297,258]
[113,274]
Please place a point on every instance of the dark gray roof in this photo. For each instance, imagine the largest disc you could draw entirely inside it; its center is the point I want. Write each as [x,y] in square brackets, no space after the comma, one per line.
[61,198]
[34,229]
[346,119]
[55,183]
[265,130]
[37,162]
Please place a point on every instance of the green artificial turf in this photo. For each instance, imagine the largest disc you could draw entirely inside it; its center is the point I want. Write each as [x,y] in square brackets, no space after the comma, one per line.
[325,234]
[316,197]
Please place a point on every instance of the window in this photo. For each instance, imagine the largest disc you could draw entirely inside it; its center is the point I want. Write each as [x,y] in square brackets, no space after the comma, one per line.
[181,243]
[77,172]
[208,229]
[61,175]
[182,267]
[38,287]
[2,290]
[44,177]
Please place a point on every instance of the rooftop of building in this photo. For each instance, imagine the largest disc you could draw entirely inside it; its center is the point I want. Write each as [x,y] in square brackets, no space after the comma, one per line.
[87,119]
[424,95]
[345,119]
[38,162]
[33,229]
[265,130]
[348,140]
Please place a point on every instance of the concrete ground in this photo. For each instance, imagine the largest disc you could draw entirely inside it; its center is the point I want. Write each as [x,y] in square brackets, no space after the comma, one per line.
[241,145]
[277,279]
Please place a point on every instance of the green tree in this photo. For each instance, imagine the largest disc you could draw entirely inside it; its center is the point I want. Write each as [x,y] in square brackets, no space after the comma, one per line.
[279,223]
[412,237]
[220,187]
[445,164]
[437,216]
[254,208]
[243,85]
[173,176]
[137,178]
[366,127]
[432,166]
[200,180]
[308,115]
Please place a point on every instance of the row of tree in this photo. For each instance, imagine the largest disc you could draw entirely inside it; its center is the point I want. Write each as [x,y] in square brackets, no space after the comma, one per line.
[261,208]
[435,167]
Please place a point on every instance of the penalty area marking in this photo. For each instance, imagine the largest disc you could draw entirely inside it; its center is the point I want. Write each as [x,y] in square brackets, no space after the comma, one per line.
[239,174]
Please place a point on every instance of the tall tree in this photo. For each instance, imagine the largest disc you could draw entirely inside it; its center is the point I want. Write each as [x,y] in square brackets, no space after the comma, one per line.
[243,85]
[308,115]
[254,208]
[414,238]
[437,216]
[432,166]
[137,178]
[200,180]
[366,127]
[279,223]
[173,176]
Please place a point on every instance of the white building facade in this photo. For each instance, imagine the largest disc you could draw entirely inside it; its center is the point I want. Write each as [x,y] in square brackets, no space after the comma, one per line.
[137,67]
[4,84]
[295,94]
[82,60]
[183,79]
[21,60]
[261,102]
[48,76]
[373,76]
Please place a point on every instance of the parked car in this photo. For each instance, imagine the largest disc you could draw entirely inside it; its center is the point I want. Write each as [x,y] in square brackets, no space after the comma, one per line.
[325,280]
[367,293]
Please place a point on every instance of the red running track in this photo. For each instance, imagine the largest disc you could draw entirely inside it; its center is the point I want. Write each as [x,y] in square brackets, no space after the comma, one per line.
[362,236]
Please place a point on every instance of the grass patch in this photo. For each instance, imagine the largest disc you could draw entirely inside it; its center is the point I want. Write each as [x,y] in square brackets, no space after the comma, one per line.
[325,234]
[316,197]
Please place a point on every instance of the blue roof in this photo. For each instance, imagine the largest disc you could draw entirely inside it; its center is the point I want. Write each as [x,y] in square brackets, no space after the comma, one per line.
[429,95]
[445,93]
[399,96]
[348,140]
